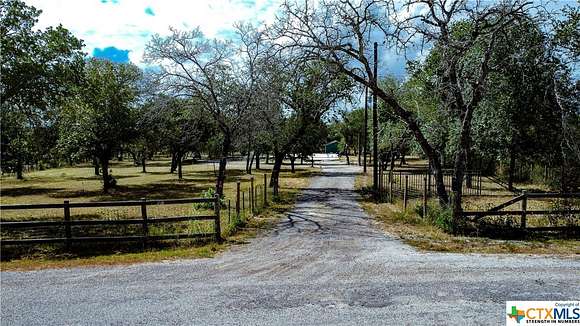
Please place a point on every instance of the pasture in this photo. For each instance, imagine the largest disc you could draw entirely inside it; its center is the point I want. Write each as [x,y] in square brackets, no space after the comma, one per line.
[79,184]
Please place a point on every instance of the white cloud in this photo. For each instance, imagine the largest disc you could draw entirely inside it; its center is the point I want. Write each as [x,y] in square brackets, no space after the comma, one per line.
[125,25]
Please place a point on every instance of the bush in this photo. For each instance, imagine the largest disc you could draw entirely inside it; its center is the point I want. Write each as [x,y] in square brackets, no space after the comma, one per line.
[209,193]
[440,217]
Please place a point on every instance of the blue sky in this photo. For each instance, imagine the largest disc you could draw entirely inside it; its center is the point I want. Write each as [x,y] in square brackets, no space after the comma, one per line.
[120,29]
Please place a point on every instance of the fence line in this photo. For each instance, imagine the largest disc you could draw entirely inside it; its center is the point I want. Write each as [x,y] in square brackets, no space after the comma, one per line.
[144,221]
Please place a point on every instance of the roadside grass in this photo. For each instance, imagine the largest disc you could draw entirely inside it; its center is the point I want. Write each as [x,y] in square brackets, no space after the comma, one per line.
[428,234]
[58,184]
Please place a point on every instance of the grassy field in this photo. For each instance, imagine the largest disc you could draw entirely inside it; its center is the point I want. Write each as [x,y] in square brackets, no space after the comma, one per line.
[424,234]
[78,184]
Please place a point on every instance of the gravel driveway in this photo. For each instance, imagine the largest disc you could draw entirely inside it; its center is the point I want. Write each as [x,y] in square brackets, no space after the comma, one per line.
[326,264]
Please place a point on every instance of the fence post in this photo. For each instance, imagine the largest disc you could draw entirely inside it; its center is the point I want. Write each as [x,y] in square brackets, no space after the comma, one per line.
[524,208]
[405,192]
[67,227]
[381,181]
[145,224]
[217,226]
[424,197]
[238,199]
[252,195]
[229,212]
[244,202]
[391,187]
[265,190]
[429,181]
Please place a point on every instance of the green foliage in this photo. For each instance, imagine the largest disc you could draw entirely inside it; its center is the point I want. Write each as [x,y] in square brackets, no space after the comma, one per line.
[98,119]
[40,68]
[436,215]
[210,193]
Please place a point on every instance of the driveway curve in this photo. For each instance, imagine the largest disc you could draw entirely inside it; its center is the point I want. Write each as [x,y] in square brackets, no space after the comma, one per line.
[327,263]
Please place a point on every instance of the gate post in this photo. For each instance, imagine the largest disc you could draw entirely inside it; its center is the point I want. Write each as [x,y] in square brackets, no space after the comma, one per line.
[252,195]
[238,199]
[145,223]
[424,197]
[524,208]
[217,226]
[405,192]
[265,190]
[67,226]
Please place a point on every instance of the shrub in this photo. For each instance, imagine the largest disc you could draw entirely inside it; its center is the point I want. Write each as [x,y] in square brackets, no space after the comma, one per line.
[436,215]
[209,193]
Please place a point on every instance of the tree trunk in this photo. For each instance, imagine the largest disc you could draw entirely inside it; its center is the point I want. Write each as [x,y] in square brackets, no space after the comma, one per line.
[179,165]
[120,155]
[251,163]
[107,182]
[347,157]
[222,166]
[511,170]
[173,161]
[278,159]
[403,162]
[292,159]
[143,164]
[267,157]
[257,160]
[19,168]
[457,190]
[459,173]
[358,151]
[96,165]
[134,157]
[248,162]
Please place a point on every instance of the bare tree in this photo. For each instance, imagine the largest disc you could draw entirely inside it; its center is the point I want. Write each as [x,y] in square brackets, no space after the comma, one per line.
[342,32]
[220,74]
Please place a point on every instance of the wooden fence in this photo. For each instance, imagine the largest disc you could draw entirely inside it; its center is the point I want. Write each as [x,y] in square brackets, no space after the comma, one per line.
[407,184]
[252,199]
[524,212]
[68,222]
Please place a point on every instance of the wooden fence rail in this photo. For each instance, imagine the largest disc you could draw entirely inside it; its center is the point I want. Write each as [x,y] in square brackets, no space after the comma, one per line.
[144,221]
[524,212]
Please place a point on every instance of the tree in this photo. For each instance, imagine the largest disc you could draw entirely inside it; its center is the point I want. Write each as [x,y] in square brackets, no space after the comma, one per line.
[39,69]
[195,67]
[348,131]
[147,140]
[340,33]
[182,128]
[305,91]
[98,119]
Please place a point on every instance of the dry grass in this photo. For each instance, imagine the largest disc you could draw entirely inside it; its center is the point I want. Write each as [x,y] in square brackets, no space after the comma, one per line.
[420,233]
[78,184]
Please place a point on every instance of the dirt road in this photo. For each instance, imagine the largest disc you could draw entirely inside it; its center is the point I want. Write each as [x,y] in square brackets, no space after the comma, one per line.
[326,264]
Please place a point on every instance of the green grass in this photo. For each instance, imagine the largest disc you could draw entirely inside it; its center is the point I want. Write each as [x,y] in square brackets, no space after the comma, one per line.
[429,233]
[77,184]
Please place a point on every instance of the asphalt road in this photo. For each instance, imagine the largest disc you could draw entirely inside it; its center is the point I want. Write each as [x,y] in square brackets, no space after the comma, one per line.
[326,264]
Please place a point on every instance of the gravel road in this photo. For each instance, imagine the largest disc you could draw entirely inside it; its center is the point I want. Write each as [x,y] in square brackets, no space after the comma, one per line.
[325,264]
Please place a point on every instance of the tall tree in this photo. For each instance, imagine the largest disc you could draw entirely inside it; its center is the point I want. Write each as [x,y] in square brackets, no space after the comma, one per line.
[341,32]
[193,66]
[39,68]
[98,119]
